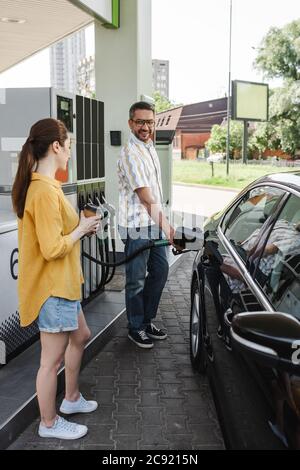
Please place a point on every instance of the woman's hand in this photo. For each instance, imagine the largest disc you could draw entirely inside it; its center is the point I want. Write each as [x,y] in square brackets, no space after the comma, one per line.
[86,226]
[89,225]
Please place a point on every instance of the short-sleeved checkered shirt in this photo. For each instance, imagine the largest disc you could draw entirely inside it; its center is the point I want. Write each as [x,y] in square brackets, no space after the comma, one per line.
[138,167]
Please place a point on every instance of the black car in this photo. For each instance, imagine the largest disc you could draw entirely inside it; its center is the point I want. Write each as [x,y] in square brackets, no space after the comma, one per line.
[245,314]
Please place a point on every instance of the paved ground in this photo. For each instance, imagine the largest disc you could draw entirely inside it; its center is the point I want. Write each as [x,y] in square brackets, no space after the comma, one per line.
[149,399]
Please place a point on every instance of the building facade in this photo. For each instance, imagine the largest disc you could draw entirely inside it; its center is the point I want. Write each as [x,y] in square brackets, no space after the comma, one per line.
[193,124]
[160,77]
[86,82]
[65,58]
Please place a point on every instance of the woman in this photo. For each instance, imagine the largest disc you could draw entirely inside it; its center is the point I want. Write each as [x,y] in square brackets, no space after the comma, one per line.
[50,277]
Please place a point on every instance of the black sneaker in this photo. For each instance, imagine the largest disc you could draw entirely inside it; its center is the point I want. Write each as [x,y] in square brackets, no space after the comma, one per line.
[140,339]
[155,333]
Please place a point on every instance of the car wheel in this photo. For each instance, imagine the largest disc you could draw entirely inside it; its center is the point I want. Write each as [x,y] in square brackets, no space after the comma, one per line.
[197,344]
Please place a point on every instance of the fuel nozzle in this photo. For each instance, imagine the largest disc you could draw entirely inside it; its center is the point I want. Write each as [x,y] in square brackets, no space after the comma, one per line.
[91,210]
[112,214]
[188,239]
[105,212]
[109,207]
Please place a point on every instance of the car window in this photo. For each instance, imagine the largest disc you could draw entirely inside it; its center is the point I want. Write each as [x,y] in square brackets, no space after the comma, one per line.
[278,270]
[244,221]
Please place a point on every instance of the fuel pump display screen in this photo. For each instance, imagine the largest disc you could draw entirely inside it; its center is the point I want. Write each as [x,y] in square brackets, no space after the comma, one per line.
[65,111]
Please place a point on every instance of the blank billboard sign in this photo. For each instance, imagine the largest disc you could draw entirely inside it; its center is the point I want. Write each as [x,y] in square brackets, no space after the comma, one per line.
[250,101]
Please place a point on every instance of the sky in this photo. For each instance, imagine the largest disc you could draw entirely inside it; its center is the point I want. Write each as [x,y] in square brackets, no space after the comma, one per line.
[194,36]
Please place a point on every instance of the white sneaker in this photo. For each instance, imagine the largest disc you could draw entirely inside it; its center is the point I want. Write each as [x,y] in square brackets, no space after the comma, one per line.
[79,406]
[63,429]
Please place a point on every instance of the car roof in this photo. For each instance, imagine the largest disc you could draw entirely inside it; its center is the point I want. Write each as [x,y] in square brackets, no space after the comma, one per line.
[290,179]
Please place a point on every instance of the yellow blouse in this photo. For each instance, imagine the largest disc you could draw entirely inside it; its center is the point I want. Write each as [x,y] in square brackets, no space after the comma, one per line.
[49,260]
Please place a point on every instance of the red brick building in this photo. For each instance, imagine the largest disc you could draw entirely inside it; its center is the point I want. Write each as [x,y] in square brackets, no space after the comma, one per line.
[192,124]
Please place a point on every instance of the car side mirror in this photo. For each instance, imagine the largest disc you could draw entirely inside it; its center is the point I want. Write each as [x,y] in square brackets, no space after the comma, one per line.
[272,339]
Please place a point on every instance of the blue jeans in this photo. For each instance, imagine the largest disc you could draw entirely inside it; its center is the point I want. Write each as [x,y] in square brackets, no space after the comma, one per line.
[146,276]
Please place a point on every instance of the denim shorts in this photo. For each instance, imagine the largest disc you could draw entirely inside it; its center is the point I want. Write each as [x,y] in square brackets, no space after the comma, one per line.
[58,314]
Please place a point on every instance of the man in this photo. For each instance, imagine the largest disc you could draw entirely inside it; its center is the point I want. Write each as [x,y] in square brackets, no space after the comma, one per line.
[141,218]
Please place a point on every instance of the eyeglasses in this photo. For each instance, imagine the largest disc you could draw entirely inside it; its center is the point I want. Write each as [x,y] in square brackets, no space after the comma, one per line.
[142,122]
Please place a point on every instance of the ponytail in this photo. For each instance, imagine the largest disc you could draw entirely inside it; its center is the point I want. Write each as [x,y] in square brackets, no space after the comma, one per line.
[42,134]
[23,178]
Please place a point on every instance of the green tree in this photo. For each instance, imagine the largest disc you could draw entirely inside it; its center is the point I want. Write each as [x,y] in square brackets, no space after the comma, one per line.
[162,103]
[218,138]
[279,53]
[279,57]
[265,136]
[285,116]
[283,130]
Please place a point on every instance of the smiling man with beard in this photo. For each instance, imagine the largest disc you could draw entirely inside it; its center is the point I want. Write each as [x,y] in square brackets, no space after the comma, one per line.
[141,218]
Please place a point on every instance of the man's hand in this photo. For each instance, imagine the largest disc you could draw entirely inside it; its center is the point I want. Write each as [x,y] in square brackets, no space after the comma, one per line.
[170,235]
[155,211]
[171,239]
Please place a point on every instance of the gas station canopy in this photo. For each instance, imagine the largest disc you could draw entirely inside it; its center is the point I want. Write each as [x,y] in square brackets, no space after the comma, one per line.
[28,26]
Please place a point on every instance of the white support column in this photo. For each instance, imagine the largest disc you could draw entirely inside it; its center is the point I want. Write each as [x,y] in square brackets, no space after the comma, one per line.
[123,66]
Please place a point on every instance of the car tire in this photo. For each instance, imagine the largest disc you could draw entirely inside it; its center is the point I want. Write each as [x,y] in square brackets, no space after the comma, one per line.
[197,344]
